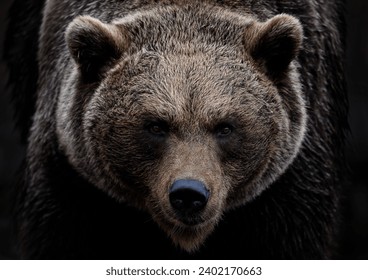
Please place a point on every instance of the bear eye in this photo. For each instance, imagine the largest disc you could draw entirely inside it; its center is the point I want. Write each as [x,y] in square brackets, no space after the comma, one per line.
[158,128]
[224,130]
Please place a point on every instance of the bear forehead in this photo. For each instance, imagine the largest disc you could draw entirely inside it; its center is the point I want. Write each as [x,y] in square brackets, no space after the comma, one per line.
[198,86]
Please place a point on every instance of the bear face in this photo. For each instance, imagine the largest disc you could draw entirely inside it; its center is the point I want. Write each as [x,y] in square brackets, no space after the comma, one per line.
[186,122]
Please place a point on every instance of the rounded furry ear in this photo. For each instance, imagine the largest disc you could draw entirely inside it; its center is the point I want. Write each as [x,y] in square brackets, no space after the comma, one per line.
[274,43]
[95,45]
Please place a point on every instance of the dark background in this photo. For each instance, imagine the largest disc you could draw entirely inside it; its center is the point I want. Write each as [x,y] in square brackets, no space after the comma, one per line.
[354,242]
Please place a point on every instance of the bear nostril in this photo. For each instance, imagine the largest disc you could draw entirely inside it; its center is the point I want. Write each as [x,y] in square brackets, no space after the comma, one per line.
[188,196]
[177,203]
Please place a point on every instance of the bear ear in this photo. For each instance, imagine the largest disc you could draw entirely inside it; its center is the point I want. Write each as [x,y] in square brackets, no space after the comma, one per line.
[95,45]
[274,43]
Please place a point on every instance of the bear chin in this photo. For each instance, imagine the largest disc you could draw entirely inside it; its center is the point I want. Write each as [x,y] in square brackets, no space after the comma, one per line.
[188,238]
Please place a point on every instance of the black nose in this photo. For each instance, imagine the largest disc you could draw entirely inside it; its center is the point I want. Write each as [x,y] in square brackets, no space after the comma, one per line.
[188,196]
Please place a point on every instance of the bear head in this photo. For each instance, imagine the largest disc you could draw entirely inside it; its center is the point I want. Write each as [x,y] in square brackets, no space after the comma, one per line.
[182,111]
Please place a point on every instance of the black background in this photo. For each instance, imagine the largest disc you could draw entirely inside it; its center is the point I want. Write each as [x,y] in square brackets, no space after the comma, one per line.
[354,242]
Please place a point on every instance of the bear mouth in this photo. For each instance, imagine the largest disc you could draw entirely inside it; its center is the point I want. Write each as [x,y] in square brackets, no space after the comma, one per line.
[184,220]
[187,218]
[181,220]
[191,221]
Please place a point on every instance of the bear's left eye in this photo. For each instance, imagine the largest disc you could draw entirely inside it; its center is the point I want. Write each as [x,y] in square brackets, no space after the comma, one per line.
[158,128]
[223,130]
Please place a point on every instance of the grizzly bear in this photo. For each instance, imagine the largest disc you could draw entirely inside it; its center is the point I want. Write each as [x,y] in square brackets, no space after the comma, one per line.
[180,129]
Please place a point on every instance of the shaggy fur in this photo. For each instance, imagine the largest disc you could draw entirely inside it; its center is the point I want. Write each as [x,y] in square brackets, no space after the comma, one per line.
[135,95]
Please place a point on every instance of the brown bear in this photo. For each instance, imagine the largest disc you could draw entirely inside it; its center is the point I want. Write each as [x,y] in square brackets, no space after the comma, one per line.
[185,129]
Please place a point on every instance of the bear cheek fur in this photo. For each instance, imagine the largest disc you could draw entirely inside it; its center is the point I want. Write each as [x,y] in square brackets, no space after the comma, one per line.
[118,142]
[274,139]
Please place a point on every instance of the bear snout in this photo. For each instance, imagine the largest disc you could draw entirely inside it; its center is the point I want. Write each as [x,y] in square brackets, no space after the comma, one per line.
[188,198]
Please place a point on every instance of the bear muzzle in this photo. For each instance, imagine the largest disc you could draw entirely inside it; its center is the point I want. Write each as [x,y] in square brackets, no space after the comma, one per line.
[188,198]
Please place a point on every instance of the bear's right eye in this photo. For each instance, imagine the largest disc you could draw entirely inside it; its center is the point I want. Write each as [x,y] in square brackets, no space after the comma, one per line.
[223,130]
[158,128]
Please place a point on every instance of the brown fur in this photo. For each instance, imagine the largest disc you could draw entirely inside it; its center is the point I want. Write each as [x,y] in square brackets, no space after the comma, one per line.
[194,69]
